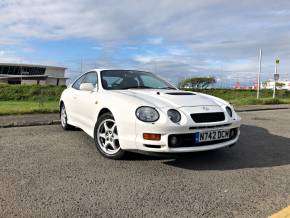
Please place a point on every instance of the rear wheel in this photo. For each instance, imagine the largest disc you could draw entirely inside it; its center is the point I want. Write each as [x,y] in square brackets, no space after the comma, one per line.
[106,137]
[63,119]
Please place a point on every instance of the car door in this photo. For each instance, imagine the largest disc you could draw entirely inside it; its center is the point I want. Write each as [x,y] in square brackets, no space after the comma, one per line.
[88,103]
[72,103]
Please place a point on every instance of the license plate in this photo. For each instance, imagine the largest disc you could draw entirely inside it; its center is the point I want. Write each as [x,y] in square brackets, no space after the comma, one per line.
[212,135]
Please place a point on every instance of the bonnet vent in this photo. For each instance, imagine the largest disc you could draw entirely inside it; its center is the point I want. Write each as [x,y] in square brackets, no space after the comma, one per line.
[179,93]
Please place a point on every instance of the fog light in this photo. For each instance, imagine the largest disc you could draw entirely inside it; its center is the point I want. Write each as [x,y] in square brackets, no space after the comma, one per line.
[232,133]
[151,136]
[173,140]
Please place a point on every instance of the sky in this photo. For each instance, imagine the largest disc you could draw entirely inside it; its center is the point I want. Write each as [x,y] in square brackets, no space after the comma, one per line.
[175,39]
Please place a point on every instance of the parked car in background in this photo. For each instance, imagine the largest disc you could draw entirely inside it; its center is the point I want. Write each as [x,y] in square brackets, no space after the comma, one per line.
[127,110]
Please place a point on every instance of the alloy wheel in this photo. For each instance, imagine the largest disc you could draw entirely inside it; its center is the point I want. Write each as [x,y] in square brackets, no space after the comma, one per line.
[63,117]
[107,137]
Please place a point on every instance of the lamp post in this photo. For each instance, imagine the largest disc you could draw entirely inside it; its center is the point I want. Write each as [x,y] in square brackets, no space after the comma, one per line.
[259,74]
[20,75]
[276,77]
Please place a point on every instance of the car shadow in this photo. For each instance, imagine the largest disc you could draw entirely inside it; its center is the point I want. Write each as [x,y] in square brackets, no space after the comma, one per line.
[256,148]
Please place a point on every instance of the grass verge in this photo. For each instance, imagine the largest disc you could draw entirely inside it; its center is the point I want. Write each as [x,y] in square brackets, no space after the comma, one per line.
[25,107]
[30,92]
[248,97]
[23,99]
[261,101]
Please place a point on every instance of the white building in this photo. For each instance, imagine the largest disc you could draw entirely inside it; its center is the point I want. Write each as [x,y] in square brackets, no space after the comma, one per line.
[270,84]
[14,73]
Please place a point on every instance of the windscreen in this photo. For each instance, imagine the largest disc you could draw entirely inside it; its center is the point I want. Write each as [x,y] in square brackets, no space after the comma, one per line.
[132,79]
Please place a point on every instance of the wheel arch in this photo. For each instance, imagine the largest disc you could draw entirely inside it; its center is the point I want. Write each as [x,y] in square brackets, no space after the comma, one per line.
[103,111]
[60,104]
[125,125]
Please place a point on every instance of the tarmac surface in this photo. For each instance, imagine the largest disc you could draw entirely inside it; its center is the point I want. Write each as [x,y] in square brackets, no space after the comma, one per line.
[47,172]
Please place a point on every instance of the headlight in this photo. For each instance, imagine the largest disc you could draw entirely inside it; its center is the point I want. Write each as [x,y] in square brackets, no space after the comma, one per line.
[147,114]
[174,115]
[230,111]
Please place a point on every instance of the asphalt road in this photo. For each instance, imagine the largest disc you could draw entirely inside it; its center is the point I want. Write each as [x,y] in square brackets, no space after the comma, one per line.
[46,172]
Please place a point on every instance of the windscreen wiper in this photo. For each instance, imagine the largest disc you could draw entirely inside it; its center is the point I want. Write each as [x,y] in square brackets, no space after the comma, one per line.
[168,87]
[138,87]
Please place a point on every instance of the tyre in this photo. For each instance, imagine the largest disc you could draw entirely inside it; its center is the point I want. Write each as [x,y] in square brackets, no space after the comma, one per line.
[232,145]
[106,137]
[63,119]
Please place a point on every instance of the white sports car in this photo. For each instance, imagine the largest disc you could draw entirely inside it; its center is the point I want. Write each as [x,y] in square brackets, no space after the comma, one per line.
[127,110]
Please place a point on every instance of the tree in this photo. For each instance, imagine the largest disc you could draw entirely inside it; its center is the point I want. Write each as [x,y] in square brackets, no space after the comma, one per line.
[197,82]
[279,85]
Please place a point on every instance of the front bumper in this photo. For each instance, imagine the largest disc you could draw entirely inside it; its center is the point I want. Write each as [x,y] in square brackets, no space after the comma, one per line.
[185,130]
[164,144]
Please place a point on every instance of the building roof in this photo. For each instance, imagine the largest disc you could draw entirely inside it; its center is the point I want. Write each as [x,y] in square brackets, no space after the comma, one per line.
[5,76]
[30,65]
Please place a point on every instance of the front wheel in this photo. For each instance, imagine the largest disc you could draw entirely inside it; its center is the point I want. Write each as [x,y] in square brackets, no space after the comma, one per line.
[106,137]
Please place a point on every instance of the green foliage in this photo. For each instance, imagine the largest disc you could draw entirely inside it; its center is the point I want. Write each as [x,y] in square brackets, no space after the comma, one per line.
[24,107]
[20,99]
[197,82]
[30,92]
[272,101]
[247,97]
[279,85]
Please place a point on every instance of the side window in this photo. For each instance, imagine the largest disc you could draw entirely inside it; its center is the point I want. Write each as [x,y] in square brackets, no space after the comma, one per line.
[91,78]
[77,83]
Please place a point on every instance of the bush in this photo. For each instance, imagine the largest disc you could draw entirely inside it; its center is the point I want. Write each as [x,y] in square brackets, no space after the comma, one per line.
[272,101]
[247,97]
[30,92]
[197,82]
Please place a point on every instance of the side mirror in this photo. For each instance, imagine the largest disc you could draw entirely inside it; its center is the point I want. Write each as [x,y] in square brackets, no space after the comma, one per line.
[87,87]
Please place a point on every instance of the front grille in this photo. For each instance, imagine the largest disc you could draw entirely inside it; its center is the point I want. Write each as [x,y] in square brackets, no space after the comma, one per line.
[208,117]
[188,140]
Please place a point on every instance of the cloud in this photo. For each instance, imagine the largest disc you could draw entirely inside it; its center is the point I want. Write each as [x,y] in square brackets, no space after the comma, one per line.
[144,58]
[9,56]
[206,36]
[97,48]
[155,41]
[28,49]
